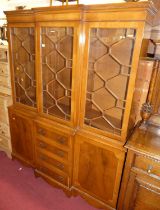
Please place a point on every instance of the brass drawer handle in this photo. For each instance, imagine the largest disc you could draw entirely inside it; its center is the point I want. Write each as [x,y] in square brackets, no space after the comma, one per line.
[60,153]
[2,132]
[61,166]
[42,145]
[42,157]
[149,170]
[13,118]
[61,140]
[42,131]
[60,178]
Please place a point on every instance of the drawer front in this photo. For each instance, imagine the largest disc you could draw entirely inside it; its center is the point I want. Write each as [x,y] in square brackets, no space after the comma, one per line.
[4,70]
[56,137]
[3,55]
[5,90]
[44,160]
[3,113]
[5,100]
[148,165]
[50,149]
[54,175]
[4,130]
[5,81]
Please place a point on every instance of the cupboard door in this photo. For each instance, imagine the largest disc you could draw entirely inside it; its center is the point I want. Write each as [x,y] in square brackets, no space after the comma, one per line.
[97,170]
[57,60]
[21,137]
[23,61]
[109,68]
[143,192]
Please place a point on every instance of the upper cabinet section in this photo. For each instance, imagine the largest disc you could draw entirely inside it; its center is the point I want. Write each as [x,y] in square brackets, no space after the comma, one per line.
[78,64]
[57,59]
[23,63]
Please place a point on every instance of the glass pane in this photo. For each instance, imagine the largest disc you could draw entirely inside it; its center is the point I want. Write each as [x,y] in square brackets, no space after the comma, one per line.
[109,66]
[57,55]
[23,49]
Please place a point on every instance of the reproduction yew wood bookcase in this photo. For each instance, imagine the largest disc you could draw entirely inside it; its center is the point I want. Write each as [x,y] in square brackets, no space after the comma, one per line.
[73,71]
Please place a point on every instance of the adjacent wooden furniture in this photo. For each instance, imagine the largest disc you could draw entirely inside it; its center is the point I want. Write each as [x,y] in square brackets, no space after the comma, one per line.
[147,70]
[5,100]
[141,181]
[155,96]
[73,71]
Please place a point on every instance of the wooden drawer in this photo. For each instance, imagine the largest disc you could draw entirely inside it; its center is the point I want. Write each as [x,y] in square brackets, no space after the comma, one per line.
[4,130]
[148,165]
[3,56]
[5,90]
[44,160]
[5,81]
[56,137]
[52,150]
[4,69]
[54,175]
[4,101]
[3,53]
[3,114]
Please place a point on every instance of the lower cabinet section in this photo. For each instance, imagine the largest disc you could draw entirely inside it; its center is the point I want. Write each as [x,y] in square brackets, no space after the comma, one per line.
[21,127]
[80,165]
[97,169]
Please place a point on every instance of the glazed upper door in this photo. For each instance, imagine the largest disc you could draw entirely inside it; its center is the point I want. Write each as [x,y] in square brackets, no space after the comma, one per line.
[22,40]
[110,57]
[58,58]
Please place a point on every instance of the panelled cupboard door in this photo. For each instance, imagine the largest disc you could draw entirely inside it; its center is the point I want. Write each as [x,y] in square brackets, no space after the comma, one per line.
[97,170]
[58,60]
[143,192]
[22,45]
[21,135]
[110,59]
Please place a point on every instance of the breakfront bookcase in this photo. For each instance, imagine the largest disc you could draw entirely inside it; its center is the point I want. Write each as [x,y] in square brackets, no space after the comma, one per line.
[73,78]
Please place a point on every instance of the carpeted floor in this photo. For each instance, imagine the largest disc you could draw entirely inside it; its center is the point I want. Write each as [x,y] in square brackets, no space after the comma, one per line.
[20,190]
